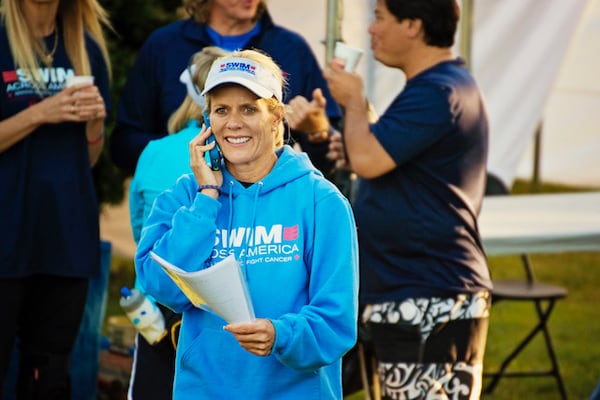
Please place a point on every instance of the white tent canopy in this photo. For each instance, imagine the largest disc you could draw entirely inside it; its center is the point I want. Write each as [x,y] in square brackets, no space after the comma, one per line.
[536,61]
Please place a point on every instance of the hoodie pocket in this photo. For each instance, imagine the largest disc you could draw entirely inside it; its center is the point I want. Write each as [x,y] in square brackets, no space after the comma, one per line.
[213,358]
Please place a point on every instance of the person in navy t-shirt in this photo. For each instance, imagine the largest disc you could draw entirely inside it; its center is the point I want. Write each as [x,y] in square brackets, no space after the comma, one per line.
[422,167]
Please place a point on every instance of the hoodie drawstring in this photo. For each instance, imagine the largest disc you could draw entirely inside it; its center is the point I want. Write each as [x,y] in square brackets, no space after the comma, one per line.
[252,226]
[230,222]
[259,186]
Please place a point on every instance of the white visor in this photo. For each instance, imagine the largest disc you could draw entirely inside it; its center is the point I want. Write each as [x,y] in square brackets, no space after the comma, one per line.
[245,72]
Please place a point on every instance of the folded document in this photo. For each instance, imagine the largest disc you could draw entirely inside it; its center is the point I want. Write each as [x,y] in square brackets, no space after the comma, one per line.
[220,288]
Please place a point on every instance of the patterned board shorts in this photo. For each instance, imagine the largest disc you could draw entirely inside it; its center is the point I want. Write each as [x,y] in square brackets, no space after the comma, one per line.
[430,348]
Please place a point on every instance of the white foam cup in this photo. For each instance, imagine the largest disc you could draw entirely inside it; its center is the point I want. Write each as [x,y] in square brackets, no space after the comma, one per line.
[77,79]
[350,55]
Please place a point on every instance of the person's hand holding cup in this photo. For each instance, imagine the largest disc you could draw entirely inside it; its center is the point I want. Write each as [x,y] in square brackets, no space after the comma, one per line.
[86,102]
[73,80]
[347,55]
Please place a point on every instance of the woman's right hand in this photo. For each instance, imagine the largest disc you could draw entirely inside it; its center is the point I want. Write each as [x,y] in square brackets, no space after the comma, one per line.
[202,172]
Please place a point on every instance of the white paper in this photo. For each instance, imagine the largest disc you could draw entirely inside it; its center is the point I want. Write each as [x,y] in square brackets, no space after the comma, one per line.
[221,287]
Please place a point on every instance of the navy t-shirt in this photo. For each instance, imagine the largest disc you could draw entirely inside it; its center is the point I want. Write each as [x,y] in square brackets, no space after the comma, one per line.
[417,224]
[48,208]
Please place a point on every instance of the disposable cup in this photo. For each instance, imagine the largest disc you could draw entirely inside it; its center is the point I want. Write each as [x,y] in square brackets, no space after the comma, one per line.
[348,54]
[76,80]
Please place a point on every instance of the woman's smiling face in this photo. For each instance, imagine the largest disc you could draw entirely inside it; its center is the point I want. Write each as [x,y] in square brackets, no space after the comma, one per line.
[245,128]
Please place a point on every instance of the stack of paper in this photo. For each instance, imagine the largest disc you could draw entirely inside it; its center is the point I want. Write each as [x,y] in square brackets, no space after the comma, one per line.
[220,288]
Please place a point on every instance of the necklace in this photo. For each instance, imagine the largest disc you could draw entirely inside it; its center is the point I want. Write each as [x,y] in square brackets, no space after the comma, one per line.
[48,58]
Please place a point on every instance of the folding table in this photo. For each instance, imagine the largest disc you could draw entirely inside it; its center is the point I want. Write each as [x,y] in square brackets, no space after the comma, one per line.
[544,223]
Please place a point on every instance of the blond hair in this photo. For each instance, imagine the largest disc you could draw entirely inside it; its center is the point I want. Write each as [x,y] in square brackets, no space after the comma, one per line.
[273,105]
[189,109]
[77,17]
[199,10]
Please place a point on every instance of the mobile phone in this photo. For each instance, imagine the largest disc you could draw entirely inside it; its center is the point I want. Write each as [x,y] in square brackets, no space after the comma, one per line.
[213,157]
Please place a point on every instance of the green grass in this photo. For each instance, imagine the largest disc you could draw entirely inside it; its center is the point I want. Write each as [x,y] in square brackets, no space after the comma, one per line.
[574,324]
[574,328]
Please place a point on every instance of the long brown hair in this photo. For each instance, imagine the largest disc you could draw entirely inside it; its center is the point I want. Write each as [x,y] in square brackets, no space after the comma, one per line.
[199,10]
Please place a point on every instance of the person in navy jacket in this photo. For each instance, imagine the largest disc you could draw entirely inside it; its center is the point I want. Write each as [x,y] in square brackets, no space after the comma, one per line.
[153,92]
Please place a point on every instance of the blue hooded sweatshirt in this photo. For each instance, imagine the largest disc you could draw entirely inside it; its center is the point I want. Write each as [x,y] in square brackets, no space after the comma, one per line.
[294,234]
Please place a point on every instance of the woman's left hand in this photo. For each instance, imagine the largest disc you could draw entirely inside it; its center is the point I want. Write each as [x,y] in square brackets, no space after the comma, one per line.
[256,337]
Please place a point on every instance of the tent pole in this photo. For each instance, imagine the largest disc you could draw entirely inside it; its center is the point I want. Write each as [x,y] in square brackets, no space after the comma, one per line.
[537,151]
[466,31]
[334,27]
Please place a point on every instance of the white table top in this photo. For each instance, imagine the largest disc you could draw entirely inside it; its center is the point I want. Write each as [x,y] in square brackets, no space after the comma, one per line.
[540,223]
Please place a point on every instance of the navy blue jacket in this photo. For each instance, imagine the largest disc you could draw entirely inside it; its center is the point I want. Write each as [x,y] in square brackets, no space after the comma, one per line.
[153,91]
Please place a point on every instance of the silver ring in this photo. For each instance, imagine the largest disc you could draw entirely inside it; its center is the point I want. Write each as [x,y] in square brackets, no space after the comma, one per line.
[72,109]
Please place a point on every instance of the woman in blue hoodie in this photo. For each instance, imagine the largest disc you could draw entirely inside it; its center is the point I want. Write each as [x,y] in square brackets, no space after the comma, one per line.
[160,164]
[290,229]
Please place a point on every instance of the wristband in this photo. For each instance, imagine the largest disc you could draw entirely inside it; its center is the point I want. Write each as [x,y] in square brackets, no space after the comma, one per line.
[215,187]
[96,141]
